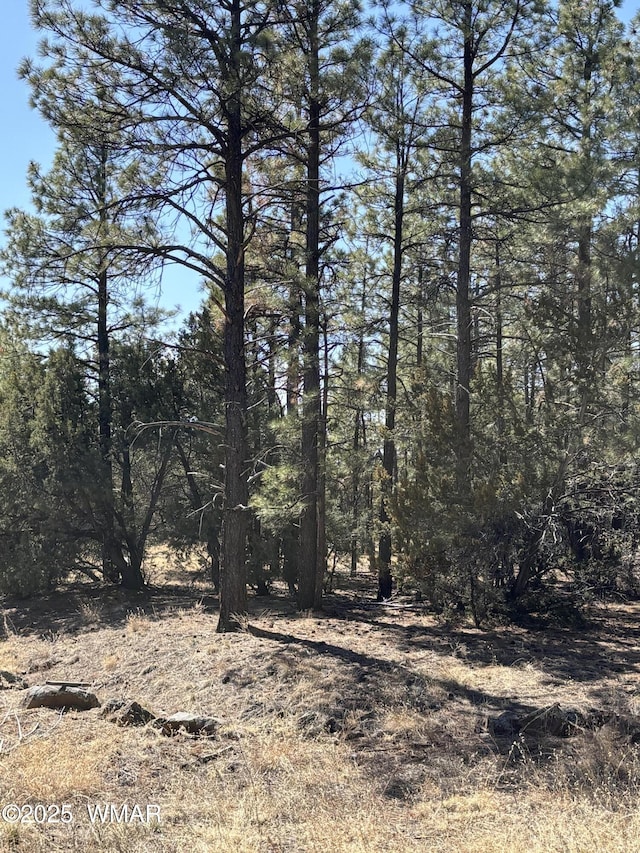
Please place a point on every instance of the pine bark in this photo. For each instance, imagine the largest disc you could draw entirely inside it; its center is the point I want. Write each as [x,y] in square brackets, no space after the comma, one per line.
[110,561]
[309,592]
[463,302]
[233,577]
[385,578]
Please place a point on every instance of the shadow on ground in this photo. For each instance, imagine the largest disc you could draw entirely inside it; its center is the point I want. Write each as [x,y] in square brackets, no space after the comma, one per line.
[71,610]
[608,647]
[404,720]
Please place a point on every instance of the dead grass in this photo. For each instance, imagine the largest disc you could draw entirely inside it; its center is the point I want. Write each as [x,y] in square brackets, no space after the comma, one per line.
[366,729]
[90,612]
[137,621]
[56,765]
[8,657]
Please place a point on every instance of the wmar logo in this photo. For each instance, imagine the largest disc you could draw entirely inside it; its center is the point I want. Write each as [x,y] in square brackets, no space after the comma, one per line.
[123,813]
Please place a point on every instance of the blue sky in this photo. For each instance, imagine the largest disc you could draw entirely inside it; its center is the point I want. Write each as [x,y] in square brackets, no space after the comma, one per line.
[26,137]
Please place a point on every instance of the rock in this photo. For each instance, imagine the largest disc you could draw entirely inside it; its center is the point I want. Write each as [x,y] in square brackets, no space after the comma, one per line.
[60,697]
[124,713]
[506,724]
[190,723]
[111,706]
[552,721]
[8,680]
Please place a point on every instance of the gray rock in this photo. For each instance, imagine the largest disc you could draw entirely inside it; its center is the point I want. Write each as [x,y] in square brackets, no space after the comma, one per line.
[60,697]
[506,724]
[111,706]
[191,723]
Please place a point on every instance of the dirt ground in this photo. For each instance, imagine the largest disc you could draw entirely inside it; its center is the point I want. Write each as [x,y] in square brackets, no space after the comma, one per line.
[367,728]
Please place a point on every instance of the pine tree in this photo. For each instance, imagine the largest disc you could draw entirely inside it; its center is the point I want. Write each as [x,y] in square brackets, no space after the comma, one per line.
[397,121]
[69,282]
[188,86]
[465,49]
[48,458]
[327,62]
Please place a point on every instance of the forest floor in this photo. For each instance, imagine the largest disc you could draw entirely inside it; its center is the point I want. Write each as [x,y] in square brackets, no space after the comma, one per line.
[367,728]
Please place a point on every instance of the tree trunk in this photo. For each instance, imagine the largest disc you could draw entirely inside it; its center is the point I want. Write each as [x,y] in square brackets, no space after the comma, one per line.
[585,235]
[308,596]
[233,580]
[131,569]
[322,473]
[500,420]
[355,483]
[110,569]
[290,535]
[463,305]
[295,331]
[385,578]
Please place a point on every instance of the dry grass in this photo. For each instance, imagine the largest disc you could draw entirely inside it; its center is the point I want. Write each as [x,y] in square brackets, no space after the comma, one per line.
[54,765]
[137,621]
[8,657]
[366,729]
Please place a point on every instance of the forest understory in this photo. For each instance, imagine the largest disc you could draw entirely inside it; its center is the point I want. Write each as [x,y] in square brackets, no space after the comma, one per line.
[365,728]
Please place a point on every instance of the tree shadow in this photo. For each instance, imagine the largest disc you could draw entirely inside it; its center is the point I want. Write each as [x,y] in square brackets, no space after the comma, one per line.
[441,719]
[80,607]
[368,665]
[454,734]
[608,646]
